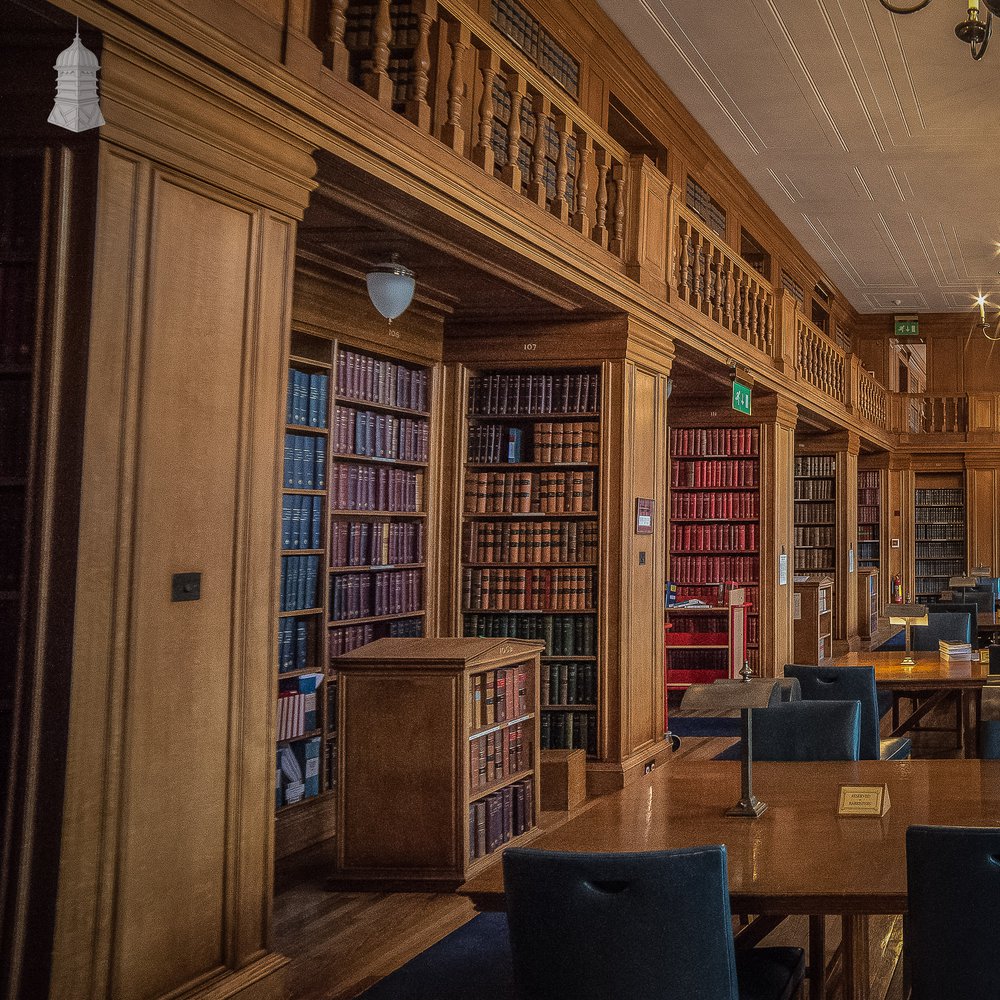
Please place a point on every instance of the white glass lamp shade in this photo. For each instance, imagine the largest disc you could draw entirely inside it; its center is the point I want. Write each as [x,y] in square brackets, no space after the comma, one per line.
[76,107]
[391,287]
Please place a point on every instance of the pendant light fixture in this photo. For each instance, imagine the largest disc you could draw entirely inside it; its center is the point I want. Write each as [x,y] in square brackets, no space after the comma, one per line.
[974,31]
[76,107]
[391,287]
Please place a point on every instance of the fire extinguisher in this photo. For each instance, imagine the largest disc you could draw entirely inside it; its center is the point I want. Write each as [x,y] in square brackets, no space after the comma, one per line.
[897,590]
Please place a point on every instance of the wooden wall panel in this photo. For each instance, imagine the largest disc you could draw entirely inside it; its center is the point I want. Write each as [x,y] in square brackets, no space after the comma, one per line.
[166,856]
[983,517]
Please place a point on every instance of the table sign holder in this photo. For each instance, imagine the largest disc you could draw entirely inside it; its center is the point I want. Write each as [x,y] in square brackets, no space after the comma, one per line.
[907,615]
[863,800]
[749,805]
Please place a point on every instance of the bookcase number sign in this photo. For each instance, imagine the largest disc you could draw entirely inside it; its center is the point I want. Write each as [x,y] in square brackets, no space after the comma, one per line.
[643,516]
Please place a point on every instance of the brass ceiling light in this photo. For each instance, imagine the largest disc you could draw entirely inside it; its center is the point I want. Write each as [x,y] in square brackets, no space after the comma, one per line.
[982,325]
[974,31]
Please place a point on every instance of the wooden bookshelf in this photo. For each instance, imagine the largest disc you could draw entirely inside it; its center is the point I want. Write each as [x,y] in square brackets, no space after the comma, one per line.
[813,619]
[868,601]
[714,544]
[870,519]
[815,514]
[939,528]
[530,532]
[448,731]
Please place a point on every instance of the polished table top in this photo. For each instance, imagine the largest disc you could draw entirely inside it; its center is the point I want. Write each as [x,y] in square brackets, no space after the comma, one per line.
[799,856]
[930,669]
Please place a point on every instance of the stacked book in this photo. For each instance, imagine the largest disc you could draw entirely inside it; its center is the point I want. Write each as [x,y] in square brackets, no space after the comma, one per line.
[954,650]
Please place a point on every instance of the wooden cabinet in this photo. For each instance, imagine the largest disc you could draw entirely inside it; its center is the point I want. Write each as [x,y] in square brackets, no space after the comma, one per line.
[813,616]
[868,601]
[438,765]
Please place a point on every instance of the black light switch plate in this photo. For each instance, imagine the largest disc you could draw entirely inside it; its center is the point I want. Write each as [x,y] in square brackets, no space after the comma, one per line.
[185,587]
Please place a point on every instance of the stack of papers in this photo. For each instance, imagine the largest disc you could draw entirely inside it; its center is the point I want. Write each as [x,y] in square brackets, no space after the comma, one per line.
[954,650]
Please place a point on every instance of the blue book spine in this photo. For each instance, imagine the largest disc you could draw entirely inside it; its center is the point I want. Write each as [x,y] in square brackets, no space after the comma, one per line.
[283,602]
[307,687]
[320,464]
[308,461]
[302,398]
[514,444]
[287,624]
[299,468]
[312,574]
[290,400]
[360,433]
[300,585]
[289,461]
[324,399]
[297,522]
[301,645]
[287,511]
[314,399]
[317,521]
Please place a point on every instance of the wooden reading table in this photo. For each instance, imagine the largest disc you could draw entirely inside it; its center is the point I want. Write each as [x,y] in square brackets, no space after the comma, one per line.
[938,678]
[799,856]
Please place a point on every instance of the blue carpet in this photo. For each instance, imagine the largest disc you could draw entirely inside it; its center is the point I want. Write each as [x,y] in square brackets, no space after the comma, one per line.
[472,963]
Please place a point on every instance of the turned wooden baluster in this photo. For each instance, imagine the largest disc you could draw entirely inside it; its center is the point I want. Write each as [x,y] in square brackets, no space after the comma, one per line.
[560,204]
[584,152]
[453,134]
[761,320]
[603,163]
[720,287]
[337,56]
[742,312]
[770,325]
[377,81]
[727,294]
[752,311]
[536,186]
[511,173]
[417,108]
[482,155]
[617,242]
[683,281]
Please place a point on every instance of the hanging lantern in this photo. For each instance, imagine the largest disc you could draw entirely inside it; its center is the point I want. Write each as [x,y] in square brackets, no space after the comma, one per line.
[76,106]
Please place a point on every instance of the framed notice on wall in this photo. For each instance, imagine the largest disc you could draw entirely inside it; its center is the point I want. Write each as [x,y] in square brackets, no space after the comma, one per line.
[643,516]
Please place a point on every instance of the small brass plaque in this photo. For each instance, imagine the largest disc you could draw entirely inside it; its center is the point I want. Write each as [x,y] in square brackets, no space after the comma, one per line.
[863,800]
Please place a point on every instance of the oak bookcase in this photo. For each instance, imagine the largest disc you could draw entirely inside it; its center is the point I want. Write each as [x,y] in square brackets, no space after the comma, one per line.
[813,617]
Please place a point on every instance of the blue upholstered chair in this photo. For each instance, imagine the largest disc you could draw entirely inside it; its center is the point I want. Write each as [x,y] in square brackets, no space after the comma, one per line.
[655,926]
[807,730]
[950,626]
[953,882]
[851,684]
[968,606]
[989,739]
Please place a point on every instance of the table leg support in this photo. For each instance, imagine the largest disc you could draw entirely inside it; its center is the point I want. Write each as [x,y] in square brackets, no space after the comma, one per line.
[971,709]
[855,944]
[817,958]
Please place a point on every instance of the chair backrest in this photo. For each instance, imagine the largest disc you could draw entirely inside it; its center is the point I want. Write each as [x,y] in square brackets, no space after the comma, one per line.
[807,730]
[968,607]
[722,696]
[620,926]
[989,739]
[985,598]
[953,627]
[994,667]
[844,684]
[953,879]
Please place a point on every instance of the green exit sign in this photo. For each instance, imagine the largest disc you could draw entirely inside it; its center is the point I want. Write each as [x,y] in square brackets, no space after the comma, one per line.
[741,397]
[907,326]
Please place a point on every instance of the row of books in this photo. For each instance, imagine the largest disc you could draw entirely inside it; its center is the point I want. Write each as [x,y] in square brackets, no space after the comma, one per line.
[15,421]
[940,532]
[299,576]
[868,532]
[721,472]
[943,550]
[308,398]
[953,567]
[501,816]
[940,496]
[814,489]
[301,521]
[561,442]
[814,513]
[813,536]
[362,543]
[563,635]
[569,731]
[530,395]
[869,497]
[680,658]
[296,775]
[510,18]
[710,506]
[364,595]
[815,465]
[498,695]
[528,589]
[712,537]
[364,488]
[868,514]
[305,462]
[529,541]
[344,638]
[17,307]
[869,481]
[714,594]
[696,569]
[950,650]
[296,644]
[377,380]
[705,626]
[529,492]
[379,435]
[569,684]
[931,586]
[358,33]
[813,560]
[499,754]
[297,706]
[940,515]
[714,441]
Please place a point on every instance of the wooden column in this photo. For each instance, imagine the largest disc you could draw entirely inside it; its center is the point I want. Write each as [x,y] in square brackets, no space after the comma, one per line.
[899,560]
[777,415]
[982,484]
[165,862]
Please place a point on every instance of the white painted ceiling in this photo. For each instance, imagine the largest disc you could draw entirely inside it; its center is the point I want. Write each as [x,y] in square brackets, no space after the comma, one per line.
[874,137]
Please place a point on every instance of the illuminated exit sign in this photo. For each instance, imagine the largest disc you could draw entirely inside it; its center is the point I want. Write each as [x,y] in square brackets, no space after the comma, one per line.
[741,397]
[907,326]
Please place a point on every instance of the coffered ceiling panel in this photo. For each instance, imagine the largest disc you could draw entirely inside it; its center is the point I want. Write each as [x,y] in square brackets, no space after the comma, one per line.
[871,136]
